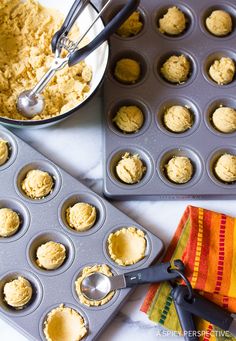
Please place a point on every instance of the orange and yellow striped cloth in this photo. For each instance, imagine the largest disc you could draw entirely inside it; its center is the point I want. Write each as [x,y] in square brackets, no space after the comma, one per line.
[206,242]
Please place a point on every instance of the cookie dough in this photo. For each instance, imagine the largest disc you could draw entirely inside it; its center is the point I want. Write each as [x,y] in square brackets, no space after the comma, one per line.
[25,56]
[104,269]
[224,119]
[37,184]
[131,27]
[225,168]
[127,71]
[219,23]
[130,169]
[178,119]
[50,255]
[9,222]
[18,292]
[129,119]
[222,71]
[81,216]
[64,324]
[173,22]
[176,69]
[4,152]
[127,246]
[179,169]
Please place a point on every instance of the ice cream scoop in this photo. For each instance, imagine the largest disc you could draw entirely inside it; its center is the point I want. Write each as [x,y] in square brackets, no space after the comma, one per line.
[97,285]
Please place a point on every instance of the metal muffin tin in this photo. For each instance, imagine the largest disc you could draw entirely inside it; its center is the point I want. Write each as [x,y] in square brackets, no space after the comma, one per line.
[44,220]
[154,143]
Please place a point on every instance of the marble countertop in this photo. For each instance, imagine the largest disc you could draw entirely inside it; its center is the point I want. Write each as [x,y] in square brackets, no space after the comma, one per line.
[76,146]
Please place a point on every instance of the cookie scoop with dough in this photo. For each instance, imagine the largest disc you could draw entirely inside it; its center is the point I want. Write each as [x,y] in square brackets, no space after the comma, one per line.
[178,119]
[129,119]
[173,22]
[176,69]
[81,217]
[219,23]
[37,184]
[224,119]
[127,246]
[104,269]
[51,255]
[179,169]
[130,169]
[131,27]
[225,168]
[127,71]
[9,222]
[4,152]
[64,324]
[18,292]
[222,71]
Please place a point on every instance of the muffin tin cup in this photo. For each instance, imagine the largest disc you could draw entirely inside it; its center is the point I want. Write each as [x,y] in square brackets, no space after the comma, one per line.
[35,301]
[199,92]
[94,308]
[127,267]
[66,305]
[24,216]
[42,165]
[212,162]
[42,238]
[43,221]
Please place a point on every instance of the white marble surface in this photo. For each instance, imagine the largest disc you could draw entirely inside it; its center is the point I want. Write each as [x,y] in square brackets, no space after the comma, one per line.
[76,146]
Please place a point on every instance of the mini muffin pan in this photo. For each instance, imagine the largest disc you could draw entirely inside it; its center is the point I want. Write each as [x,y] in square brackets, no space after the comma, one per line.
[153,95]
[44,220]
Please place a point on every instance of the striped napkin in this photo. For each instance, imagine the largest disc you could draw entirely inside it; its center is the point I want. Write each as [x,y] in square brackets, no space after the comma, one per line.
[206,242]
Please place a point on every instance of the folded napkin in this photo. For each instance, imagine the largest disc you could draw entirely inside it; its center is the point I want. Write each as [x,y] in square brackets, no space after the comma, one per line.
[206,243]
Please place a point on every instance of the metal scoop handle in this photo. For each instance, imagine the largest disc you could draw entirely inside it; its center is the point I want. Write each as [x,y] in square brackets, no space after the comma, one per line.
[75,11]
[153,274]
[110,28]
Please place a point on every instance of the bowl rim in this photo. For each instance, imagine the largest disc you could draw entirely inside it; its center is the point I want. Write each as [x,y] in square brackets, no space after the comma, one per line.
[27,123]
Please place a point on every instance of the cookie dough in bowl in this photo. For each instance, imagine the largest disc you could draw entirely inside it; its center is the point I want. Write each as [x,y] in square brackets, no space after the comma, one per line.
[4,152]
[219,23]
[224,119]
[178,119]
[51,255]
[179,169]
[225,168]
[222,71]
[127,71]
[127,246]
[81,217]
[130,169]
[64,324]
[37,184]
[18,292]
[176,69]
[173,22]
[129,119]
[88,270]
[9,222]
[131,27]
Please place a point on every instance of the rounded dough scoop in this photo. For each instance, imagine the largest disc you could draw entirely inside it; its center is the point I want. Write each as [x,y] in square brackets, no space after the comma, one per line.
[130,168]
[9,222]
[176,69]
[173,22]
[178,119]
[37,184]
[18,292]
[127,71]
[129,119]
[222,71]
[131,27]
[4,152]
[51,255]
[219,23]
[179,169]
[81,216]
[224,119]
[225,168]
